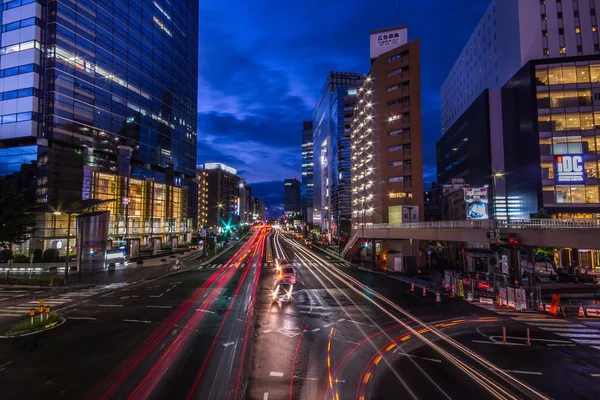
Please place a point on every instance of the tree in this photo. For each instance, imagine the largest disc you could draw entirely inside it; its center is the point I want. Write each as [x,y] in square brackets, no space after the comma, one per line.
[16,220]
[541,214]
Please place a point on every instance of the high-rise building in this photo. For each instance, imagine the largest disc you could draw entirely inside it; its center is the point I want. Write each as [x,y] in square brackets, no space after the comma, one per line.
[100,100]
[202,181]
[331,153]
[243,201]
[223,194]
[307,190]
[387,164]
[291,196]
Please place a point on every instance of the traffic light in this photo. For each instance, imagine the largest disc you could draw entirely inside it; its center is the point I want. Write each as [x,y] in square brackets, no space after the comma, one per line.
[511,241]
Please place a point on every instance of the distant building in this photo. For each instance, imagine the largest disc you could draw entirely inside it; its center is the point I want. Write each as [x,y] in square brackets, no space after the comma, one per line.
[202,181]
[242,201]
[291,196]
[223,194]
[431,201]
[331,151]
[307,188]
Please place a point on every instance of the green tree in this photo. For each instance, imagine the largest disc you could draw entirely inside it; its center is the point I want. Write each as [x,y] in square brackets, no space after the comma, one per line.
[16,220]
[544,251]
[541,214]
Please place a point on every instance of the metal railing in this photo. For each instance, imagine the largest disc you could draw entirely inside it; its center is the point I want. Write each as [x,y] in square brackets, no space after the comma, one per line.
[491,224]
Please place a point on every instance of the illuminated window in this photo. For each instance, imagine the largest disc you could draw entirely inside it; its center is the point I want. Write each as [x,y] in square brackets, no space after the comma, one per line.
[591,194]
[577,30]
[395,179]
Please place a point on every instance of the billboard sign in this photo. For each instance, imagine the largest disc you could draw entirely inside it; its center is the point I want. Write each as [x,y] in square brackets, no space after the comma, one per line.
[387,39]
[477,202]
[569,168]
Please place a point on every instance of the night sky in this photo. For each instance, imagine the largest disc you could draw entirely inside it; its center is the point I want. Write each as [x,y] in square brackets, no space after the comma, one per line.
[263,64]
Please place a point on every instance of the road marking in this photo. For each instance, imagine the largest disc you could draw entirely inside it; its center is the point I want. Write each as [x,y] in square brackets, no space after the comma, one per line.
[506,344]
[341,319]
[553,325]
[160,295]
[228,344]
[277,374]
[150,287]
[86,318]
[562,344]
[585,341]
[569,330]
[328,325]
[168,289]
[580,335]
[10,362]
[511,371]
[201,310]
[159,306]
[137,320]
[125,297]
[110,305]
[268,330]
[358,323]
[594,375]
[544,320]
[316,330]
[108,294]
[306,379]
[266,396]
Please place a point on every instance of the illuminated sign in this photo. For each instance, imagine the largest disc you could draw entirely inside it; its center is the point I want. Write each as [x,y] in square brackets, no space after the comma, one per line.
[351,92]
[569,169]
[477,202]
[224,167]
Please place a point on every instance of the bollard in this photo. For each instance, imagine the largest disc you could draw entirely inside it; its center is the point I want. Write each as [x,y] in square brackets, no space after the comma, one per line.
[438,298]
[500,301]
[32,314]
[528,343]
[412,286]
[424,292]
[470,297]
[41,313]
[503,334]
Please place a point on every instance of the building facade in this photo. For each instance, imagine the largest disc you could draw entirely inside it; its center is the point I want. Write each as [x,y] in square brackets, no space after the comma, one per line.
[511,33]
[331,151]
[223,195]
[291,196]
[82,120]
[307,188]
[386,141]
[202,182]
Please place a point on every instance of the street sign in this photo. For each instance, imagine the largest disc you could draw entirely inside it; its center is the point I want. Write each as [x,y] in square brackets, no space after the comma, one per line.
[31,312]
[42,303]
[554,303]
[429,251]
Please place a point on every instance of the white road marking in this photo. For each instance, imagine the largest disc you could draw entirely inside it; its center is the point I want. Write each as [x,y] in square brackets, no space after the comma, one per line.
[277,374]
[569,330]
[159,306]
[108,294]
[86,318]
[595,375]
[201,310]
[510,371]
[110,305]
[328,325]
[160,295]
[168,289]
[543,320]
[268,330]
[586,341]
[306,379]
[506,344]
[266,396]
[137,320]
[150,287]
[580,335]
[10,362]
[553,325]
[562,344]
[341,319]
[316,330]
[228,344]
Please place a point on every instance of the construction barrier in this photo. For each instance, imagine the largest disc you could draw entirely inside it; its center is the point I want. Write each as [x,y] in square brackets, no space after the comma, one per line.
[592,312]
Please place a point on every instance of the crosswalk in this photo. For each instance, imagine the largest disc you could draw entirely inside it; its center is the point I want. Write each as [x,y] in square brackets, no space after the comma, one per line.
[500,310]
[53,302]
[585,333]
[266,264]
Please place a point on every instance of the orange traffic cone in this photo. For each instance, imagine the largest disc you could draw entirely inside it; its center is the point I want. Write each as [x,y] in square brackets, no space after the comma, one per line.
[412,286]
[424,292]
[438,298]
[581,311]
[500,301]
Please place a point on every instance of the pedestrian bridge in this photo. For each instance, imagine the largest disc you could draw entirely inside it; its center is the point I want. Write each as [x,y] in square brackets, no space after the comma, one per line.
[562,233]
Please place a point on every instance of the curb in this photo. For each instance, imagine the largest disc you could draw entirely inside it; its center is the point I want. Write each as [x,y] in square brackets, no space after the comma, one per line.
[62,321]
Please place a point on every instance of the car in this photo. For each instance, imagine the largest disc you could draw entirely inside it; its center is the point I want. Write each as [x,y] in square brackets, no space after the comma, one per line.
[308,242]
[279,263]
[288,273]
[282,293]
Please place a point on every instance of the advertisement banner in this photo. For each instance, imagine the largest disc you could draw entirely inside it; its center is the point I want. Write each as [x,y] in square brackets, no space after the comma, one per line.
[521,298]
[554,303]
[569,168]
[477,203]
[510,297]
[461,290]
[502,293]
[448,279]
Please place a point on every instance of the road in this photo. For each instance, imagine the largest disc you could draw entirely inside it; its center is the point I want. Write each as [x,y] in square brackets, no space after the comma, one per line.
[212,332]
[170,337]
[351,334]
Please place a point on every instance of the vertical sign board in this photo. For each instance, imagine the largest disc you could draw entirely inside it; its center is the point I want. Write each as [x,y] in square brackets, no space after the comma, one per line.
[505,264]
[554,303]
[461,290]
[510,297]
[476,200]
[448,278]
[502,293]
[521,297]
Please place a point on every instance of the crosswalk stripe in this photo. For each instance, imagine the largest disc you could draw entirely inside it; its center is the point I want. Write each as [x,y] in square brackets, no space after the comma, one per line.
[596,347]
[544,320]
[553,325]
[587,341]
[580,335]
[568,330]
[218,266]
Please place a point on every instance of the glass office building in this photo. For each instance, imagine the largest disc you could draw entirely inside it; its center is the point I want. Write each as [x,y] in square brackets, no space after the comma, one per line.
[99,100]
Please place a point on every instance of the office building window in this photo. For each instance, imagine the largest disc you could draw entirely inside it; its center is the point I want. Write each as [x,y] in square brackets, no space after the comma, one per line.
[396,179]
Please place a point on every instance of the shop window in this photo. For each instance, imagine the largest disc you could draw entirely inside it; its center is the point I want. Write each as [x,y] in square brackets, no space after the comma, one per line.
[567,145]
[559,122]
[589,144]
[591,169]
[555,76]
[583,74]
[591,195]
[595,73]
[570,98]
[563,194]
[569,74]
[577,194]
[541,76]
[587,121]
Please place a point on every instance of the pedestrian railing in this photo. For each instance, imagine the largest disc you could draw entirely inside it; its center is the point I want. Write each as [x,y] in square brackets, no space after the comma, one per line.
[492,224]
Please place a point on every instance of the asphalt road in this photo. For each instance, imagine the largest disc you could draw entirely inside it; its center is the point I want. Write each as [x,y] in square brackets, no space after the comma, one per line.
[350,334]
[148,340]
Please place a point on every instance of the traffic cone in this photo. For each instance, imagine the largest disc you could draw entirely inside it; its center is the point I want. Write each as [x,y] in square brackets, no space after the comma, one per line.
[500,301]
[438,298]
[412,286]
[470,297]
[581,311]
[541,307]
[424,292]
[453,292]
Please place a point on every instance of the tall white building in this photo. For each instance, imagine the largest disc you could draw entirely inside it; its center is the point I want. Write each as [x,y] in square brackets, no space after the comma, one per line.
[511,33]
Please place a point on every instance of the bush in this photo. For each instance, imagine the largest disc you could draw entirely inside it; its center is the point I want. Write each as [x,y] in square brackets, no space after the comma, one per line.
[5,255]
[20,259]
[167,246]
[50,255]
[37,255]
[27,326]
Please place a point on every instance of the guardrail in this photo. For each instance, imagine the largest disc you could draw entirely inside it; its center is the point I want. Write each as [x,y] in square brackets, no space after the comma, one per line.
[491,224]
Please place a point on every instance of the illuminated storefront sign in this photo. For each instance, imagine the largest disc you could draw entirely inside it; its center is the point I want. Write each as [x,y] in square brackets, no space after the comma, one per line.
[209,166]
[569,168]
[351,92]
[477,203]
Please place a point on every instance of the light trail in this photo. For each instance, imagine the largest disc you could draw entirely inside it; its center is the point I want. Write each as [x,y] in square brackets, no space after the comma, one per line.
[491,386]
